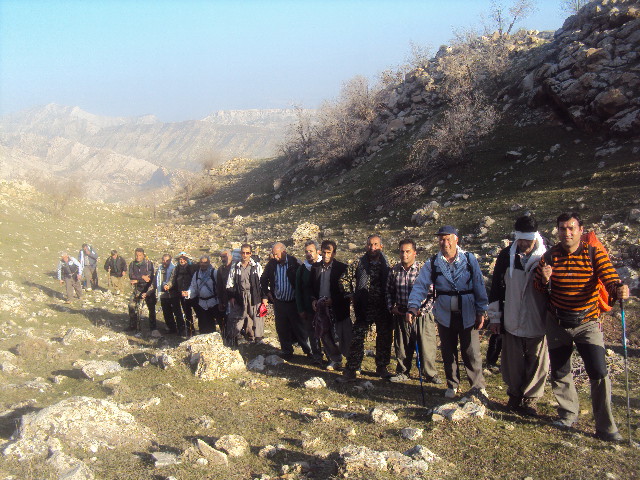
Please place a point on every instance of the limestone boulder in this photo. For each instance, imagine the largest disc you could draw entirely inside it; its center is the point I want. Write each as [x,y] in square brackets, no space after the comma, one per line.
[77,422]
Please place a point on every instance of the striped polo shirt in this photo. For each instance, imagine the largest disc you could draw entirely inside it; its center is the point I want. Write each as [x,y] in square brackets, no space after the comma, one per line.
[573,283]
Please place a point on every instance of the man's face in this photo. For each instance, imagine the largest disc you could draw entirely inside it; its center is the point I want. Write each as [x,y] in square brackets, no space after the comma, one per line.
[182,261]
[224,258]
[279,254]
[311,253]
[407,255]
[569,233]
[374,247]
[166,261]
[65,258]
[114,256]
[245,253]
[327,254]
[526,246]
[448,244]
[204,264]
[139,256]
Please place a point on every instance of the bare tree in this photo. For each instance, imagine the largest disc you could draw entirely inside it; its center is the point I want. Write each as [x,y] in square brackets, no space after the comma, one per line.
[62,190]
[573,6]
[503,18]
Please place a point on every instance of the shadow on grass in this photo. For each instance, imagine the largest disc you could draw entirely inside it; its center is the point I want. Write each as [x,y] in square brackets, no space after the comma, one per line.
[75,373]
[48,291]
[118,322]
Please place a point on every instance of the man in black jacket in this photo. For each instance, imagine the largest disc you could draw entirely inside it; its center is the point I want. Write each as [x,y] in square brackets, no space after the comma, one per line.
[278,286]
[116,268]
[334,328]
[140,275]
[366,280]
[182,280]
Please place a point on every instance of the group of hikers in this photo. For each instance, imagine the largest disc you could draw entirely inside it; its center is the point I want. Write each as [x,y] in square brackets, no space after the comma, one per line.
[542,301]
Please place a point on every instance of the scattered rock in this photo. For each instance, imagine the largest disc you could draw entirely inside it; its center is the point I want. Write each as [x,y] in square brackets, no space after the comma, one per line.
[97,368]
[212,360]
[215,457]
[409,433]
[256,364]
[382,415]
[315,382]
[234,445]
[79,422]
[164,459]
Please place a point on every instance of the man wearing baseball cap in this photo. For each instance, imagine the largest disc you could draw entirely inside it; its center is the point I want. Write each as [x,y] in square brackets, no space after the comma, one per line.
[459,309]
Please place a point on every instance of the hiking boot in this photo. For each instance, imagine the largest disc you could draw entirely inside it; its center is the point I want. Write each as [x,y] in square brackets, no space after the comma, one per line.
[399,377]
[610,437]
[528,407]
[564,422]
[450,393]
[435,380]
[333,366]
[383,372]
[347,376]
[286,356]
[514,403]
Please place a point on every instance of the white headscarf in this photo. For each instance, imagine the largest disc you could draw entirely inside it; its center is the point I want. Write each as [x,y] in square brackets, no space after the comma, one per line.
[538,251]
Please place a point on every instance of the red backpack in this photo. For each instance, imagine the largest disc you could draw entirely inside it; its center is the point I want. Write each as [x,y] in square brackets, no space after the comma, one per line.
[603,296]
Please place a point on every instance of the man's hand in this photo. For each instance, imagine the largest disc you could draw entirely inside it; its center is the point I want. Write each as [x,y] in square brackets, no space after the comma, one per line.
[494,328]
[622,291]
[133,282]
[146,278]
[410,315]
[479,321]
[185,293]
[265,301]
[314,305]
[143,296]
[166,288]
[547,270]
[61,282]
[395,311]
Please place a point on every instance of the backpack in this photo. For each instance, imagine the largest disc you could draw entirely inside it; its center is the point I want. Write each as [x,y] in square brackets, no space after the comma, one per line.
[434,274]
[593,242]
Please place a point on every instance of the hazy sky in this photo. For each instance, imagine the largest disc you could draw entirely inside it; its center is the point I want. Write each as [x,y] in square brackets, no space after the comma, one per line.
[184,59]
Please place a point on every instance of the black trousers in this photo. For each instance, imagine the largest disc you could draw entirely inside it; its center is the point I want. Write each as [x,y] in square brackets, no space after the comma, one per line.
[172,313]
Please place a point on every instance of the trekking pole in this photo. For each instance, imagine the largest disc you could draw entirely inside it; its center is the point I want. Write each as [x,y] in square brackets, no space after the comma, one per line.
[109,279]
[626,367]
[418,363]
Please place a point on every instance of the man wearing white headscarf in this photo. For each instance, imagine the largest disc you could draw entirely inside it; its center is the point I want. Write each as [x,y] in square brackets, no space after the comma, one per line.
[517,310]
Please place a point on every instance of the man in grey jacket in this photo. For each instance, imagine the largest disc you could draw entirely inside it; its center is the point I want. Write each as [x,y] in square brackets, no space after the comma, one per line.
[518,310]
[88,258]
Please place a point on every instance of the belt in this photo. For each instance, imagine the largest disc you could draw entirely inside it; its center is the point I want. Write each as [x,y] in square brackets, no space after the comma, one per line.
[285,301]
[207,298]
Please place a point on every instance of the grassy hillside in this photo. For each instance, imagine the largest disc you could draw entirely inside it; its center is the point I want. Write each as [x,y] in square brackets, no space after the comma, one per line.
[274,408]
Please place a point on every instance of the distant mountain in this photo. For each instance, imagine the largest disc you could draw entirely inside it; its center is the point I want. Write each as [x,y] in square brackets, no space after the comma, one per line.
[112,154]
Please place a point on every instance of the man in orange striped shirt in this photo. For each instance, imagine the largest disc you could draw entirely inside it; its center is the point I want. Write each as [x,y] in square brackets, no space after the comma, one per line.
[569,272]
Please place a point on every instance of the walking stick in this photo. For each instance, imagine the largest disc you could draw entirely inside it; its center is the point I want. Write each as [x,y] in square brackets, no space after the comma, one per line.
[418,363]
[109,279]
[626,367]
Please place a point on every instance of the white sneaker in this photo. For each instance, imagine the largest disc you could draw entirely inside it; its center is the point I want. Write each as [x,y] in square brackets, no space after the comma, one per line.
[450,392]
[117,292]
[88,289]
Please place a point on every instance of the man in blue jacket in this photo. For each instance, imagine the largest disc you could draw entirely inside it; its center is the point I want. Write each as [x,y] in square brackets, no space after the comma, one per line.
[460,305]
